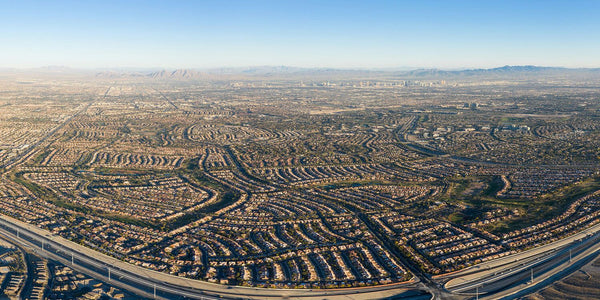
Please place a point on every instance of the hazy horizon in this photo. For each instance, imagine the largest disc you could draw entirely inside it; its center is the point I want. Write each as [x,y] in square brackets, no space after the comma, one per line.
[250,67]
[307,34]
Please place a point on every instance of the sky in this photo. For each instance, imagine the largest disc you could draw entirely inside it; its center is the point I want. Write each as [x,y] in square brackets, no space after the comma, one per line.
[301,33]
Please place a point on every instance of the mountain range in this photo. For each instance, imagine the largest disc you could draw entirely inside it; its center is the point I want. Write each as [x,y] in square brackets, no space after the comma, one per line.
[268,71]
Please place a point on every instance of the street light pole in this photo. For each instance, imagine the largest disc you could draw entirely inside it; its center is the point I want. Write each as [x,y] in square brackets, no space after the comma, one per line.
[570,256]
[531,274]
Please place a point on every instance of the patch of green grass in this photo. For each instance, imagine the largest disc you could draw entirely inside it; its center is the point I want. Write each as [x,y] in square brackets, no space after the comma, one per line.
[51,197]
[495,184]
[41,156]
[547,206]
[456,217]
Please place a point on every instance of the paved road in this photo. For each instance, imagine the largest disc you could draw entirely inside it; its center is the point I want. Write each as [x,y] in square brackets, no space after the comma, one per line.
[15,160]
[562,271]
[141,286]
[512,276]
[168,286]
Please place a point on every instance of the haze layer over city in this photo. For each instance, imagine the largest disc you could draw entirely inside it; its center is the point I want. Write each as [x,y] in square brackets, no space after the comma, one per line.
[337,150]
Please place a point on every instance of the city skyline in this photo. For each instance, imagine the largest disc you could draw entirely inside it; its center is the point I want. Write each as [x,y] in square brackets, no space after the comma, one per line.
[334,34]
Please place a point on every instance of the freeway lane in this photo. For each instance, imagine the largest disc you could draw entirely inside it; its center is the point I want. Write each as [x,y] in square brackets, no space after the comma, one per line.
[27,246]
[172,287]
[140,285]
[509,277]
[163,286]
[561,272]
[521,273]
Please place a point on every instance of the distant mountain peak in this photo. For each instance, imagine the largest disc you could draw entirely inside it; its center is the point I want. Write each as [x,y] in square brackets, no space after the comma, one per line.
[176,74]
[504,70]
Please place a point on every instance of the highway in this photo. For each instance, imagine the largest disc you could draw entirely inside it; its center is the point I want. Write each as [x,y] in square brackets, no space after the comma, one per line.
[146,287]
[560,272]
[500,278]
[506,278]
[153,284]
[502,281]
[518,275]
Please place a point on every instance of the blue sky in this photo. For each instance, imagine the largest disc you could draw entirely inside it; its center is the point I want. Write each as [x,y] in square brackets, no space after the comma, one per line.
[346,34]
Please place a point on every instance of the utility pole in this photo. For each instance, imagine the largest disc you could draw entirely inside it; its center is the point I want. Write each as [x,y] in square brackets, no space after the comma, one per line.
[109,274]
[72,258]
[477,292]
[18,232]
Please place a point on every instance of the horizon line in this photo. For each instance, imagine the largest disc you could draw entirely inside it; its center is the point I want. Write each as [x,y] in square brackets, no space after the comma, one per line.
[349,68]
